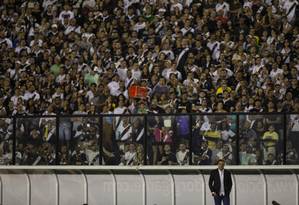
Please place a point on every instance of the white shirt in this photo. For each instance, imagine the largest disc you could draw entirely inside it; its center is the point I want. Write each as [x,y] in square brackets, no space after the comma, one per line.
[224,6]
[123,132]
[114,88]
[188,82]
[130,157]
[122,73]
[28,95]
[92,156]
[178,5]
[128,3]
[8,42]
[69,29]
[119,110]
[90,95]
[139,26]
[216,50]
[186,30]
[274,73]
[221,175]
[60,78]
[226,134]
[136,74]
[256,68]
[270,40]
[169,54]
[294,123]
[89,3]
[57,94]
[247,4]
[287,6]
[47,3]
[62,15]
[15,99]
[221,155]
[182,158]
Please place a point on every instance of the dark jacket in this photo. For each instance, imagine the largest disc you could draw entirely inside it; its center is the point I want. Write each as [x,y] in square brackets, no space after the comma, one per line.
[214,182]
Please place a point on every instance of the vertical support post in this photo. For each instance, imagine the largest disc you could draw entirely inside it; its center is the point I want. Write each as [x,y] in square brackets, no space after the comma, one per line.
[28,188]
[57,188]
[284,138]
[234,192]
[190,139]
[85,187]
[57,160]
[237,139]
[114,186]
[1,191]
[14,135]
[172,188]
[297,185]
[265,186]
[204,189]
[145,140]
[101,134]
[143,186]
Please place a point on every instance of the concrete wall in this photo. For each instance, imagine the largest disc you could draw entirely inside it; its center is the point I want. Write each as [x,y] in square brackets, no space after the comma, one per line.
[142,187]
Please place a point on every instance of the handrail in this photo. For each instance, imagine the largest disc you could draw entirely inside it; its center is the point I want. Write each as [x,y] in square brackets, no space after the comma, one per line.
[153,168]
[149,114]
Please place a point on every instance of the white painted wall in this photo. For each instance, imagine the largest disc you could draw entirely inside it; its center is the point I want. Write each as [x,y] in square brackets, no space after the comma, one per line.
[146,187]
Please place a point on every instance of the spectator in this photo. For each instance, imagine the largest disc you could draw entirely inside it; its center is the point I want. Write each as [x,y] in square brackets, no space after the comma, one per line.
[130,155]
[270,160]
[294,131]
[203,156]
[167,158]
[225,154]
[292,154]
[182,155]
[247,155]
[270,139]
[139,160]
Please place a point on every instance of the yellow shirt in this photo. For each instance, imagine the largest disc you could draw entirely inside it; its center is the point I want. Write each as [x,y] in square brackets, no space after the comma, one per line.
[220,90]
[212,137]
[270,136]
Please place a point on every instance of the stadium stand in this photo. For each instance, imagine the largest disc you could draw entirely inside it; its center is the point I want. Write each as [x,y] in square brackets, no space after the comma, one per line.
[68,62]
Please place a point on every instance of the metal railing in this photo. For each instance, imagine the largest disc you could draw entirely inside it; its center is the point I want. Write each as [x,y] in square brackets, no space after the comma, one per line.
[150,139]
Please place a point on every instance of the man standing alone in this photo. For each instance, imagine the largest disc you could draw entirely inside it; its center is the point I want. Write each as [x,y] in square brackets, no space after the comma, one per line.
[220,184]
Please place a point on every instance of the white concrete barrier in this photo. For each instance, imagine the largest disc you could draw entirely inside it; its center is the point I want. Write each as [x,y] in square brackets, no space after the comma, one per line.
[144,185]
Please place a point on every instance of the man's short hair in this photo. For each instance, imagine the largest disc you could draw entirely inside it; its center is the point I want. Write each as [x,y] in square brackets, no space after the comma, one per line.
[220,160]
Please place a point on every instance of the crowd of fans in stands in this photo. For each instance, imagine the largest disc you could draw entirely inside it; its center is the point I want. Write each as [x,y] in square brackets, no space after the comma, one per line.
[81,57]
[235,55]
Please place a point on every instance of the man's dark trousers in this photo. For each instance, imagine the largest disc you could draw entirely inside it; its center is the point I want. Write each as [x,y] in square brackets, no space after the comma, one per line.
[218,200]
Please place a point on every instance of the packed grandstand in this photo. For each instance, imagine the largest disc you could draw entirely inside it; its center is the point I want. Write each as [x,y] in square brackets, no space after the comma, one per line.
[149,57]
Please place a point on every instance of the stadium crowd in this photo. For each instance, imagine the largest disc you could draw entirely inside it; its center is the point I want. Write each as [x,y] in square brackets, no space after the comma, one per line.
[83,56]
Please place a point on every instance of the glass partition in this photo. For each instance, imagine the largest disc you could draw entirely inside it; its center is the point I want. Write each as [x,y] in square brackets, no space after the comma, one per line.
[6,141]
[213,138]
[36,141]
[182,139]
[292,143]
[168,140]
[123,140]
[161,142]
[261,139]
[130,140]
[79,141]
